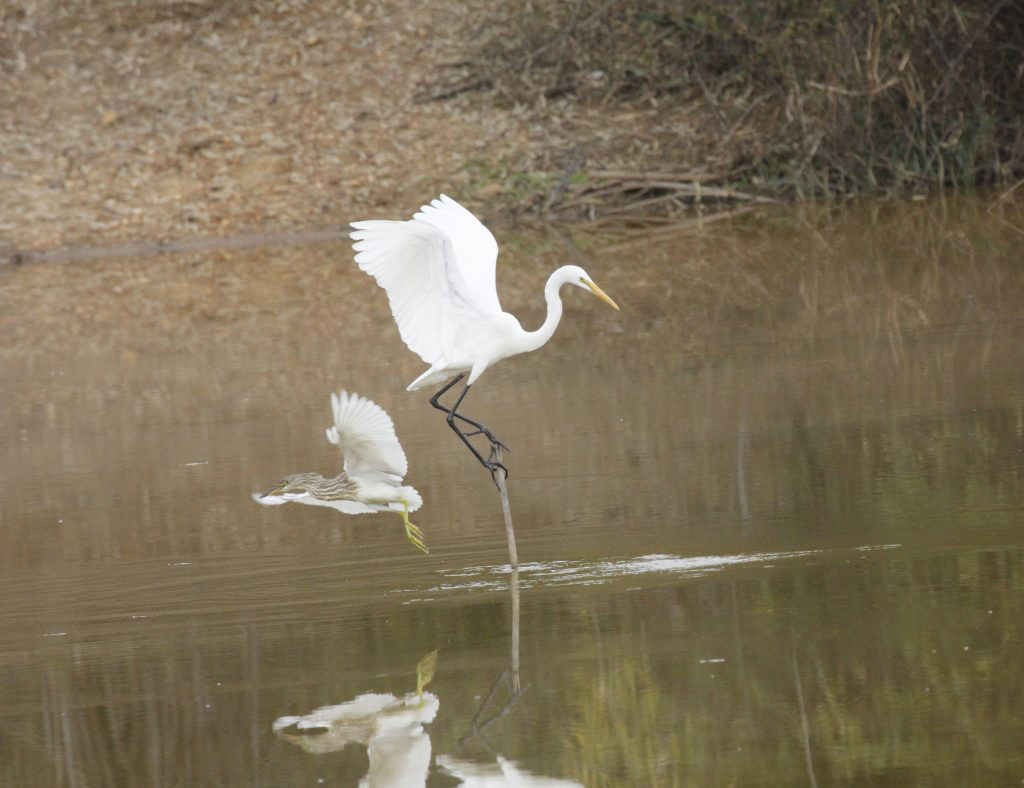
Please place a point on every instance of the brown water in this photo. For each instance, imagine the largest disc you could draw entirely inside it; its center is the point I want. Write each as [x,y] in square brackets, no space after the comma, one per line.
[770,516]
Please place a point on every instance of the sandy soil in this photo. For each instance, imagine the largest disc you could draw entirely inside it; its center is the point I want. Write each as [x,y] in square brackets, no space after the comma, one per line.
[168,119]
[125,120]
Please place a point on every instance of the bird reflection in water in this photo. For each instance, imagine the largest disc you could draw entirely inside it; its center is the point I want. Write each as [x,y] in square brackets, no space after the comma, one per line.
[374,466]
[391,729]
[502,772]
[398,745]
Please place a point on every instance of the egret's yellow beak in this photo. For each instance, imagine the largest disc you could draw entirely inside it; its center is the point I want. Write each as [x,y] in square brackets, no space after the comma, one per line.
[601,294]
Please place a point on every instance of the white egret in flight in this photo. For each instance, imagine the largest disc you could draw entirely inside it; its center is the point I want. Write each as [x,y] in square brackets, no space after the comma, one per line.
[438,270]
[374,466]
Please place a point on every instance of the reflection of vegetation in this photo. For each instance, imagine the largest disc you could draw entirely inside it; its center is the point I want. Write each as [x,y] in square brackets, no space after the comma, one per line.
[850,372]
[903,671]
[621,736]
[831,317]
[906,676]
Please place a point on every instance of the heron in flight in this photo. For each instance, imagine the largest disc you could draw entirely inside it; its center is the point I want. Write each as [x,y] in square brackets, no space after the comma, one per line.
[374,465]
[438,270]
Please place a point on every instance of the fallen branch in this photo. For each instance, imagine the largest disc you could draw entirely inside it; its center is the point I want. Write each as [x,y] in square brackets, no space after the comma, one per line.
[628,192]
[648,235]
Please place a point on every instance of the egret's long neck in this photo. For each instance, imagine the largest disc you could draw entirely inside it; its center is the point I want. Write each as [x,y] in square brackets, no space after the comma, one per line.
[534,339]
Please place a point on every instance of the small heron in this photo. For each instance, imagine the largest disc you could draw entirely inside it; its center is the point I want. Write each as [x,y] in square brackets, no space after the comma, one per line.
[374,465]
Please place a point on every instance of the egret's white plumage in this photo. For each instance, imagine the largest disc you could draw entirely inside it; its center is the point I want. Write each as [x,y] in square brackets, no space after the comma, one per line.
[438,270]
[374,467]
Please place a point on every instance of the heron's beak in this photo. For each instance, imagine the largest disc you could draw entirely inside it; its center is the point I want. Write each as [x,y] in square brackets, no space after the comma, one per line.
[277,489]
[601,294]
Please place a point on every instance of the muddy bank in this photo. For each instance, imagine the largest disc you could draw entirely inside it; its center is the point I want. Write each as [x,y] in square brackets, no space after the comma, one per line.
[140,121]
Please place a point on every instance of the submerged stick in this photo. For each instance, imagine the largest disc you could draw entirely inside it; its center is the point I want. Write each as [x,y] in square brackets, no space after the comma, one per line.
[500,479]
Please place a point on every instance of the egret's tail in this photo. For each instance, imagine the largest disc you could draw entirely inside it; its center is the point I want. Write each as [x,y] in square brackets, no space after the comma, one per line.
[431,377]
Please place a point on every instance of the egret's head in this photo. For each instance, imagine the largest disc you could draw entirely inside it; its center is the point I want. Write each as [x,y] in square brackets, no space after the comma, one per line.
[577,276]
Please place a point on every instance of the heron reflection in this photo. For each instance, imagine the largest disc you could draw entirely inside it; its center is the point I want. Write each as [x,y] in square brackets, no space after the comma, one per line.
[397,743]
[374,466]
[390,727]
[502,772]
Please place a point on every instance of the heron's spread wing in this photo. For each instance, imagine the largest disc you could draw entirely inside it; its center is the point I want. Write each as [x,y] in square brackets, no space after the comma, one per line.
[438,271]
[364,433]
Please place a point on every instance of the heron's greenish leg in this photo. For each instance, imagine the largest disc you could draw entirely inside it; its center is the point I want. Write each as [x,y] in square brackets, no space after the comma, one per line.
[412,532]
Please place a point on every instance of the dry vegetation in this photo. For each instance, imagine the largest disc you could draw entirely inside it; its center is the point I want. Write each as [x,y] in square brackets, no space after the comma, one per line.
[145,119]
[782,98]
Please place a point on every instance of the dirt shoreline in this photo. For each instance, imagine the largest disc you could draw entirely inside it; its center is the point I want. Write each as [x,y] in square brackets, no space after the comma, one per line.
[134,121]
[199,119]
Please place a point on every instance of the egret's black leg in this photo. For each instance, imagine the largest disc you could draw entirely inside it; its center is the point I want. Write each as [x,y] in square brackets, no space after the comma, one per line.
[496,445]
[440,407]
[480,428]
[491,463]
[448,385]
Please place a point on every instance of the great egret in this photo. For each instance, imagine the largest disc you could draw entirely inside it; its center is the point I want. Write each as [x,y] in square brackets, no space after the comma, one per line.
[438,271]
[374,466]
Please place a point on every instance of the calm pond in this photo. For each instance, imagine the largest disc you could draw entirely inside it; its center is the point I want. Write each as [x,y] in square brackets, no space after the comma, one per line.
[770,517]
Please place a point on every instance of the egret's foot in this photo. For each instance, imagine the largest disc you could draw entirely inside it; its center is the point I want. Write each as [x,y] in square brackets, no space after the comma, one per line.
[494,462]
[495,443]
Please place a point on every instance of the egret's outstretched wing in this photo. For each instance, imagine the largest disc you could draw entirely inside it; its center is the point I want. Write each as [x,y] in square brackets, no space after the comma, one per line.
[364,433]
[422,264]
[476,251]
